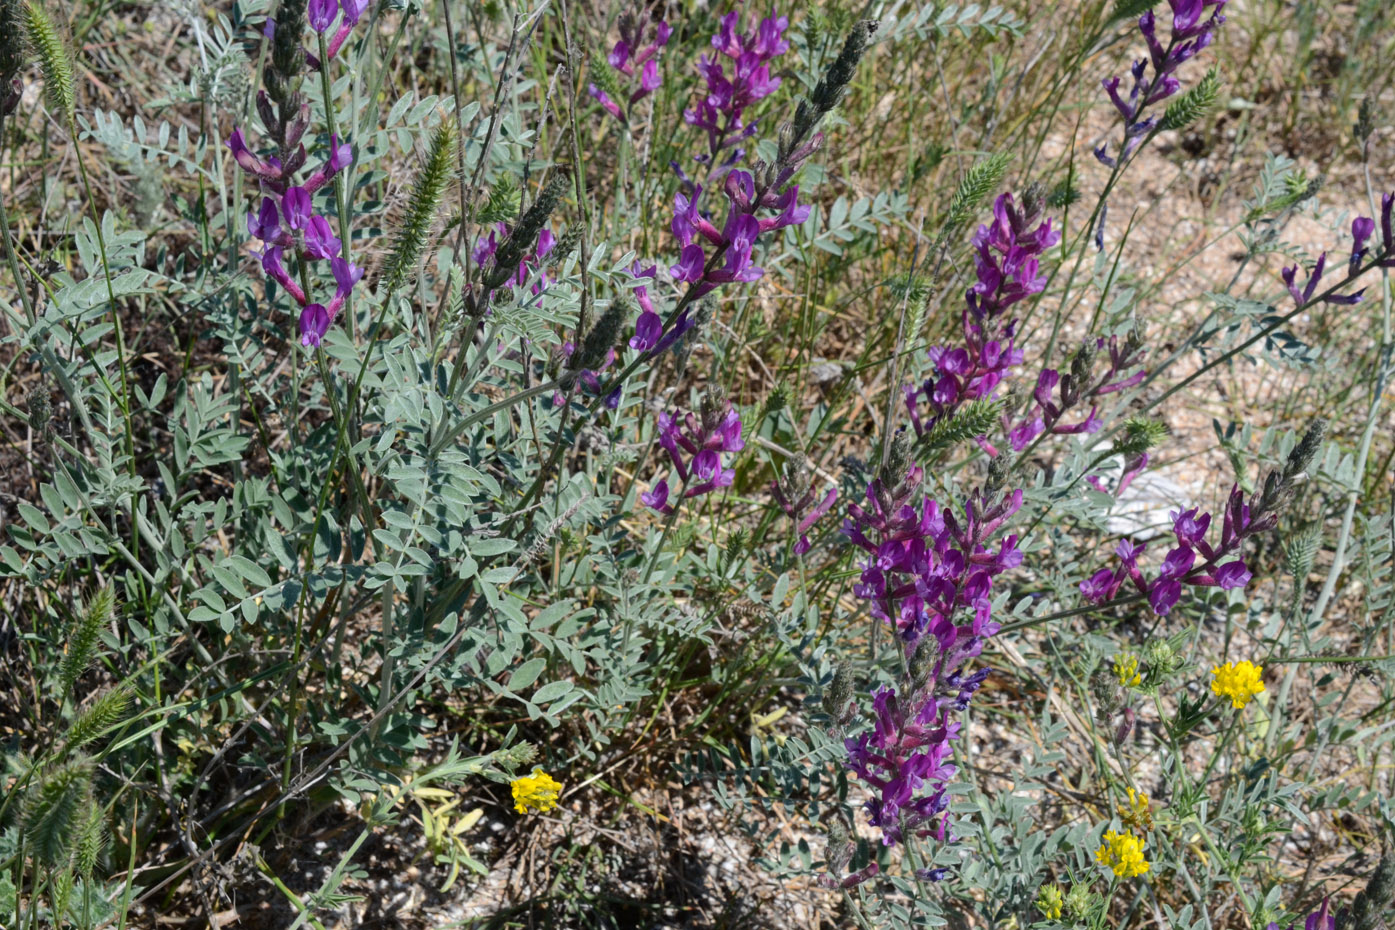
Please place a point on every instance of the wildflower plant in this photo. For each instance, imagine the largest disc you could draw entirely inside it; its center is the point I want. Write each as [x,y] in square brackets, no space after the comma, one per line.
[417,414]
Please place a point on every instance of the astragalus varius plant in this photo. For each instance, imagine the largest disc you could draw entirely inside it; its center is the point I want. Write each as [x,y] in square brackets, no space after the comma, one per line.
[552,463]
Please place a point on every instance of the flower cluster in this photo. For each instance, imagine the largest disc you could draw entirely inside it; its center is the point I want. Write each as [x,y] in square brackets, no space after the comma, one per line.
[486,252]
[795,495]
[537,791]
[1007,255]
[1361,229]
[287,224]
[321,15]
[737,238]
[720,111]
[1192,31]
[1180,566]
[930,575]
[1076,386]
[1238,681]
[631,54]
[1049,901]
[1126,670]
[1137,814]
[1122,853]
[703,436]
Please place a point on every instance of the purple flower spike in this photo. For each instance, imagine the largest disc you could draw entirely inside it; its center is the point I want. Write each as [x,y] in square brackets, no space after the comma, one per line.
[631,57]
[1192,31]
[1007,270]
[703,436]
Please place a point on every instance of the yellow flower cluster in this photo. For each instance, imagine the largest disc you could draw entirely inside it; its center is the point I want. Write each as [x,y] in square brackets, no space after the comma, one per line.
[537,791]
[1049,901]
[1239,682]
[1123,853]
[1126,668]
[1137,814]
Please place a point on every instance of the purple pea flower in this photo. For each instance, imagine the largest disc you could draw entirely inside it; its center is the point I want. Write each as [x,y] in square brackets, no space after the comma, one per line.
[657,497]
[314,323]
[320,241]
[269,170]
[321,13]
[1361,229]
[295,207]
[1321,919]
[265,224]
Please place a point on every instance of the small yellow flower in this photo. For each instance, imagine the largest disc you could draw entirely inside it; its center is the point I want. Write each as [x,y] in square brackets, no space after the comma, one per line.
[1126,668]
[537,791]
[1123,853]
[1239,682]
[1049,900]
[1137,814]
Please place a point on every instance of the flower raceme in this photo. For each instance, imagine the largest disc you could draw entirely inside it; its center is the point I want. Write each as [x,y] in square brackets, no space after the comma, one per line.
[1126,670]
[1180,566]
[1137,814]
[1049,902]
[1238,681]
[1007,253]
[1078,385]
[1192,31]
[736,240]
[631,56]
[721,110]
[795,495]
[695,443]
[537,792]
[286,224]
[1122,853]
[929,574]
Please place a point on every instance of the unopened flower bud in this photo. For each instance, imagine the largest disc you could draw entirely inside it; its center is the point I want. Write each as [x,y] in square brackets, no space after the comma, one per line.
[516,756]
[898,461]
[1308,447]
[838,698]
[1033,203]
[602,337]
[1125,727]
